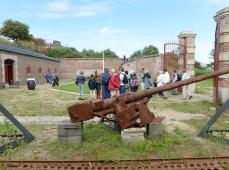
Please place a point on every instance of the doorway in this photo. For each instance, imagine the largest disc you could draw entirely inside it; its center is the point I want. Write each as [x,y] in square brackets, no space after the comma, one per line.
[9,71]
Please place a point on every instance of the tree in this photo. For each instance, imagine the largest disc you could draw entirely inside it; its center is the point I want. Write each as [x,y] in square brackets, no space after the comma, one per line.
[109,54]
[15,30]
[136,54]
[148,50]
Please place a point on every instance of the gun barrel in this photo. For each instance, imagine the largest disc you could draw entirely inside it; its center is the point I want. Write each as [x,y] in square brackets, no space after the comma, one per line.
[88,109]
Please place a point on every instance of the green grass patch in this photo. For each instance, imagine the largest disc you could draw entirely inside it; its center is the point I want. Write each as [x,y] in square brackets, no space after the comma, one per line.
[199,107]
[102,143]
[72,87]
[205,86]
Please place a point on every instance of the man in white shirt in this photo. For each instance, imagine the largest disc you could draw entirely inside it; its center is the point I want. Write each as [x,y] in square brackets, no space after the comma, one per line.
[186,91]
[160,82]
[166,77]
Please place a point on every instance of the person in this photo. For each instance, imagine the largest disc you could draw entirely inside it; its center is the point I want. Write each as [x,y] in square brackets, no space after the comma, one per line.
[114,82]
[97,85]
[166,77]
[127,85]
[123,81]
[142,73]
[147,80]
[80,79]
[160,83]
[106,94]
[133,82]
[49,77]
[175,79]
[185,88]
[91,85]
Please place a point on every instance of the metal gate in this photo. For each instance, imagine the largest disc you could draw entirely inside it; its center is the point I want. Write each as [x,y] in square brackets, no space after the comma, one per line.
[174,57]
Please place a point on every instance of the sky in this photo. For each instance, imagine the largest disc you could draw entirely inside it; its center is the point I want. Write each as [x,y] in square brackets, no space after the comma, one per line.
[124,26]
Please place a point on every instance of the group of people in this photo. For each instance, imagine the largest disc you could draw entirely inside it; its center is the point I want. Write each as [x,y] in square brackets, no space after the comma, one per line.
[52,79]
[112,82]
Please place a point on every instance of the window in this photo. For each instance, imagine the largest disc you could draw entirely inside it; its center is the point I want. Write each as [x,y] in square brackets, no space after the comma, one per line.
[55,70]
[49,70]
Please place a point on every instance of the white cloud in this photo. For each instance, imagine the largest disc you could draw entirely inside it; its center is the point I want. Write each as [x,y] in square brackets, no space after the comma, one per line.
[58,6]
[66,8]
[91,9]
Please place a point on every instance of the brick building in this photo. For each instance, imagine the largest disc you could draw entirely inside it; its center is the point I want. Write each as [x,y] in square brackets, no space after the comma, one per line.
[16,65]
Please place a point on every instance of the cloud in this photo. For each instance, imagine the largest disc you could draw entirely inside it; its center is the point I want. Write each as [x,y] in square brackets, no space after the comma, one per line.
[66,8]
[92,9]
[58,6]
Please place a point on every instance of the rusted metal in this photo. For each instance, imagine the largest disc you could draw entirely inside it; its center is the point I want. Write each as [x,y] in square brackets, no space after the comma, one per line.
[130,108]
[175,56]
[216,62]
[213,163]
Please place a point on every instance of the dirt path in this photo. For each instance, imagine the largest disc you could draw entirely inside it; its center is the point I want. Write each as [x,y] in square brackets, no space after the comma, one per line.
[175,119]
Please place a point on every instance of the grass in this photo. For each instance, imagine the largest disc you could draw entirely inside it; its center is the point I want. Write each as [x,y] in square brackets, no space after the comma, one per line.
[205,87]
[102,143]
[71,87]
[39,102]
[198,107]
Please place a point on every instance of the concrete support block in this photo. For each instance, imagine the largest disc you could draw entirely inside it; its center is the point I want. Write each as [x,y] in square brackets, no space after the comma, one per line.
[155,130]
[133,134]
[70,132]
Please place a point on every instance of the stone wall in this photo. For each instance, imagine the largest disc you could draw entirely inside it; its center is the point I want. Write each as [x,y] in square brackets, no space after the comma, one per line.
[150,63]
[22,62]
[223,16]
[70,67]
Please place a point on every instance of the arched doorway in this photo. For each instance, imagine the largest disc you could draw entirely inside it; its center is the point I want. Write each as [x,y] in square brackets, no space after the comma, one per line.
[9,71]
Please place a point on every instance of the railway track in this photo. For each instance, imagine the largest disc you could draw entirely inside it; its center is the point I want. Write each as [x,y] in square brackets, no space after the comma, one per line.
[214,163]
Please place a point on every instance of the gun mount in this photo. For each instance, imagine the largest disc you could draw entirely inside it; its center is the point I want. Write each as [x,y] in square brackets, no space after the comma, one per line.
[131,108]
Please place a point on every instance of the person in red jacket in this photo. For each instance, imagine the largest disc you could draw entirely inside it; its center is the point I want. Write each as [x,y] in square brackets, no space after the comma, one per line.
[114,82]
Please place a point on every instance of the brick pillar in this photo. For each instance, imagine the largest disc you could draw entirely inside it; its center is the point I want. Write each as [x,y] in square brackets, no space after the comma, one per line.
[188,38]
[223,16]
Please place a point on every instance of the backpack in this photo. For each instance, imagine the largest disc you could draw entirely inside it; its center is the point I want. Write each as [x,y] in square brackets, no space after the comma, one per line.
[179,77]
[91,84]
[125,79]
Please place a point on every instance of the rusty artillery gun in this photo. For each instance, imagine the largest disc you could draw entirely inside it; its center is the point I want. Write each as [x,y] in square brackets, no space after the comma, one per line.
[131,108]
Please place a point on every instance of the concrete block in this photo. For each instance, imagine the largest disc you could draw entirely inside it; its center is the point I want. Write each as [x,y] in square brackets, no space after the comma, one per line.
[155,130]
[70,132]
[71,139]
[133,134]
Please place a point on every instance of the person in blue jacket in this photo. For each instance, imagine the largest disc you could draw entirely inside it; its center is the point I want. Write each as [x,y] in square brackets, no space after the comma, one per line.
[105,81]
[80,79]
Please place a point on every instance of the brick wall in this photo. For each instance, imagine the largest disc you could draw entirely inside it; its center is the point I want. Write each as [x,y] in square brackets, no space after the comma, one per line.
[150,63]
[69,67]
[21,63]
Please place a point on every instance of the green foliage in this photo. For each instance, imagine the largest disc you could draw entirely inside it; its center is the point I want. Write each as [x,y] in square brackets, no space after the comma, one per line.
[197,65]
[15,30]
[7,129]
[109,54]
[148,50]
[201,71]
[63,52]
